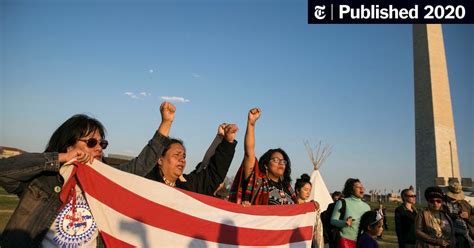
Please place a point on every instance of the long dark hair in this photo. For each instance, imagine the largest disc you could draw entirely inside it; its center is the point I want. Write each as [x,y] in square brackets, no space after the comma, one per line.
[70,131]
[264,162]
[349,187]
[368,219]
[301,182]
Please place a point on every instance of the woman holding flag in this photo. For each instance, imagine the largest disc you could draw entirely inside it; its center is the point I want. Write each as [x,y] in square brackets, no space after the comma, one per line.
[49,215]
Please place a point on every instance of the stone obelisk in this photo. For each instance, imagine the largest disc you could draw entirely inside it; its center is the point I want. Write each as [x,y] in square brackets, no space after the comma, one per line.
[436,149]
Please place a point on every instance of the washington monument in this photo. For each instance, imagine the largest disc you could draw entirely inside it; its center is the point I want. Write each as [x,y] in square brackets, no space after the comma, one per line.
[436,149]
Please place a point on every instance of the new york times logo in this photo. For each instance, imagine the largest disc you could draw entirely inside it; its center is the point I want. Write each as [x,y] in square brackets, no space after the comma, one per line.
[390,11]
[319,12]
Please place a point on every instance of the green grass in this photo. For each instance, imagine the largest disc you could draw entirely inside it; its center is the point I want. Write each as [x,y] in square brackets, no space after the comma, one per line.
[8,203]
[389,236]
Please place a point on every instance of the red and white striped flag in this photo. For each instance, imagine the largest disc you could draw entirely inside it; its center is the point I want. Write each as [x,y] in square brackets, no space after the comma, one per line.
[132,211]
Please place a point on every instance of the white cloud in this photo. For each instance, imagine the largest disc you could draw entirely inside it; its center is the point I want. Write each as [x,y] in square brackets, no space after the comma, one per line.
[151,71]
[175,99]
[140,95]
[195,75]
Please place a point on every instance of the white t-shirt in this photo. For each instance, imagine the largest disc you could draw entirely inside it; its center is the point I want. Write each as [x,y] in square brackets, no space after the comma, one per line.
[73,229]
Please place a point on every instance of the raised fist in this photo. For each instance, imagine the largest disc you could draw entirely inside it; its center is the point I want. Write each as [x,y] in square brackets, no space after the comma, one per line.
[167,111]
[229,132]
[220,129]
[254,114]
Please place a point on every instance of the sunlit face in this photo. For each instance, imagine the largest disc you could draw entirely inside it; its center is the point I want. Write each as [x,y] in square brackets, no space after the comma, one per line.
[96,151]
[376,230]
[277,165]
[435,203]
[358,190]
[173,162]
[305,191]
[410,197]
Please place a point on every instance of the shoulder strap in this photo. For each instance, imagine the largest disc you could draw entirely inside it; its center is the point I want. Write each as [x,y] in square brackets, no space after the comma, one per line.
[343,209]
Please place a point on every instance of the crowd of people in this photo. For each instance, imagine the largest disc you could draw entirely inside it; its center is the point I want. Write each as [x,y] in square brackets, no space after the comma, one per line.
[349,222]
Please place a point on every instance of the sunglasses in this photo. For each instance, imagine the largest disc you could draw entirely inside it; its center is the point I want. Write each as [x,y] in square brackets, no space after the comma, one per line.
[433,201]
[92,142]
[411,196]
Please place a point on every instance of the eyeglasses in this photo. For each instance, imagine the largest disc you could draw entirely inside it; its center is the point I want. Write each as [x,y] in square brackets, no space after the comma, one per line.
[410,195]
[279,161]
[433,201]
[92,142]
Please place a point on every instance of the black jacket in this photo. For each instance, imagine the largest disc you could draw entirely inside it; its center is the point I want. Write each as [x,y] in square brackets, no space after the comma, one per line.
[207,180]
[405,225]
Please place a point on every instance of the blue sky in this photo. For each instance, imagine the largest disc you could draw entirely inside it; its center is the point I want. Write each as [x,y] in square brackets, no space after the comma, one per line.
[348,85]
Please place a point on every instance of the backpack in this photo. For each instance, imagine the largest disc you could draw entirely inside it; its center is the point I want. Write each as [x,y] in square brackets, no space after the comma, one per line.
[330,232]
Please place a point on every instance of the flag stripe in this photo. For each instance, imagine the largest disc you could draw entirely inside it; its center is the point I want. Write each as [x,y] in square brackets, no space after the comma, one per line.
[138,234]
[171,220]
[260,210]
[181,202]
[111,241]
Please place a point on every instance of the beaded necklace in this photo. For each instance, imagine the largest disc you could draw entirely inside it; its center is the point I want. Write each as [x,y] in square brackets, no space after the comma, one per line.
[168,182]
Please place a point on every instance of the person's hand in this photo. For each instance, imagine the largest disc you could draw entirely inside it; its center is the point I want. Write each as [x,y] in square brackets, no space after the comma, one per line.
[442,242]
[349,221]
[316,205]
[464,215]
[254,114]
[220,129]
[445,243]
[229,132]
[246,204]
[167,111]
[75,154]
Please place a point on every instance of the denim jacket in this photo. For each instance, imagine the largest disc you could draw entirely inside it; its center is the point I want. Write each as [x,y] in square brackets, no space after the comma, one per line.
[35,178]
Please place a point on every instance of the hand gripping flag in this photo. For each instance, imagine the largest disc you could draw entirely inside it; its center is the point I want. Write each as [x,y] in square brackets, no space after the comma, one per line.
[132,211]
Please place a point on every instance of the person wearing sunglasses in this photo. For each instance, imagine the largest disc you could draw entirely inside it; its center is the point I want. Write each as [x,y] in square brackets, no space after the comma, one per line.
[405,216]
[266,181]
[41,219]
[434,228]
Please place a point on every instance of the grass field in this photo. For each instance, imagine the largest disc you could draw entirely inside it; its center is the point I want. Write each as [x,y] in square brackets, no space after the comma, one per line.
[389,238]
[8,203]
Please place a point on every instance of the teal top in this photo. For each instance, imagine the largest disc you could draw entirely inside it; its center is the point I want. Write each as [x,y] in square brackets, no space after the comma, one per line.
[355,208]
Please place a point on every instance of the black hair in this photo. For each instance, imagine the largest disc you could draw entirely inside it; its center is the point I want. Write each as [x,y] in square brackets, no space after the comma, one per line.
[71,130]
[172,141]
[434,192]
[349,187]
[336,193]
[368,219]
[264,161]
[301,182]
